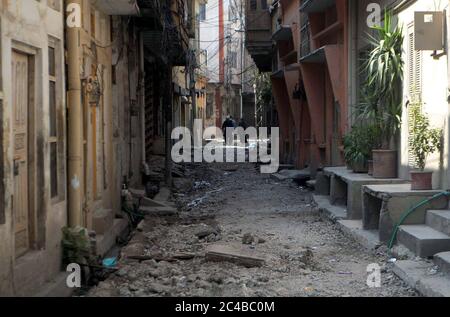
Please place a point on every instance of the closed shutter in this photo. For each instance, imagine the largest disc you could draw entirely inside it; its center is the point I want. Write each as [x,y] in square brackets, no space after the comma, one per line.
[414,60]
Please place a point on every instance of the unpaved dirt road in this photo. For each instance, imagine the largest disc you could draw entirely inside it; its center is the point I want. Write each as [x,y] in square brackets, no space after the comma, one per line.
[305,254]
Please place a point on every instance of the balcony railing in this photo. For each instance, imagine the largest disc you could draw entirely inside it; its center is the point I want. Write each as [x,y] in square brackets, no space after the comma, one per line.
[315,6]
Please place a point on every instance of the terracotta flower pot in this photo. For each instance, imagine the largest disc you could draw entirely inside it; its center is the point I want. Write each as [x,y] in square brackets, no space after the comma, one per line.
[421,180]
[370,167]
[384,164]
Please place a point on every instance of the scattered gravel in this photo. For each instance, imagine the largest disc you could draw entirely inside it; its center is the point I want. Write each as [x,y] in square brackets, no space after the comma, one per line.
[305,254]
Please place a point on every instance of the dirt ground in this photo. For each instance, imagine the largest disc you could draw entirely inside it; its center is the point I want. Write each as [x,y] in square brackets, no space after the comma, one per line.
[305,254]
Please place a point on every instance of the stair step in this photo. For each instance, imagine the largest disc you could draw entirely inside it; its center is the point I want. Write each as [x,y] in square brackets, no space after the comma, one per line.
[442,260]
[311,184]
[439,220]
[102,220]
[423,240]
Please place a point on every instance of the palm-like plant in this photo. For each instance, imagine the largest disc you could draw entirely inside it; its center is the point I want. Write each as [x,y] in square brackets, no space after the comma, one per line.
[382,93]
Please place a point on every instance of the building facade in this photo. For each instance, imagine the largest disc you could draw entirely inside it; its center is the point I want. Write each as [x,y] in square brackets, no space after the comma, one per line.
[222,35]
[87,106]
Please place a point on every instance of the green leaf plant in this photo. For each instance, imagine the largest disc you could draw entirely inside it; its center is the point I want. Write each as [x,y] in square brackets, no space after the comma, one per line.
[359,143]
[423,139]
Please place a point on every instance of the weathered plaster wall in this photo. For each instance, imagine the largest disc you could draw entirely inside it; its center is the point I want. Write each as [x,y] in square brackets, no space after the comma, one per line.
[434,78]
[30,23]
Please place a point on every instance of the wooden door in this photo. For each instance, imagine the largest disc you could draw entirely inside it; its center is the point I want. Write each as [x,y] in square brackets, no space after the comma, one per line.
[20,100]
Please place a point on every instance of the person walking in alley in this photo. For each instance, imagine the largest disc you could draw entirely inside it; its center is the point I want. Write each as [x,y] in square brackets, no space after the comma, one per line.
[243,125]
[228,123]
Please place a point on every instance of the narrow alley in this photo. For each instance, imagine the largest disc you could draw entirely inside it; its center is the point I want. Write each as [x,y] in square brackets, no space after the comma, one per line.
[224,148]
[237,207]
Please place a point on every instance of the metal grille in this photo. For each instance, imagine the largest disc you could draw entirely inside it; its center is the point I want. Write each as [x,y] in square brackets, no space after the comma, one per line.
[305,45]
[414,60]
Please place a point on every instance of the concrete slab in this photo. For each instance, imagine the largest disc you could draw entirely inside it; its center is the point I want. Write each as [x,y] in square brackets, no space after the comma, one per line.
[147,202]
[434,286]
[297,175]
[163,195]
[334,213]
[102,220]
[57,287]
[423,240]
[322,187]
[415,274]
[311,184]
[354,229]
[285,167]
[411,271]
[240,256]
[439,220]
[106,241]
[400,190]
[158,211]
[442,260]
[137,193]
[346,188]
[384,205]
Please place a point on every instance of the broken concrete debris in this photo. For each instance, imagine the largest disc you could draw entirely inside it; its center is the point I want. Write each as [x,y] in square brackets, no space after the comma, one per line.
[206,231]
[179,255]
[218,253]
[248,239]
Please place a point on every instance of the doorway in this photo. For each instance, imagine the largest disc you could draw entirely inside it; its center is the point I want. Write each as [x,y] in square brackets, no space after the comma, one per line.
[24,213]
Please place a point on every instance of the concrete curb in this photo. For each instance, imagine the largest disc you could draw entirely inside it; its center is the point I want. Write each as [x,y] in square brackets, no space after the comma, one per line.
[414,273]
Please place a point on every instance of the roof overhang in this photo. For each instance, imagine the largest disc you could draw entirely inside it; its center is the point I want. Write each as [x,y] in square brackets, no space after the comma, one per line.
[278,74]
[283,33]
[117,7]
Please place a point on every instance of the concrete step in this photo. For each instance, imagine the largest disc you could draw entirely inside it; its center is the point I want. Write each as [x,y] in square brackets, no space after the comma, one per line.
[106,241]
[311,184]
[439,220]
[334,213]
[297,175]
[424,241]
[102,220]
[415,274]
[442,260]
[163,195]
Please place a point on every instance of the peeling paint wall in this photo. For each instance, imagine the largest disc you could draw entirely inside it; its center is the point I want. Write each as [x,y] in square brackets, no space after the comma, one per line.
[29,24]
[127,106]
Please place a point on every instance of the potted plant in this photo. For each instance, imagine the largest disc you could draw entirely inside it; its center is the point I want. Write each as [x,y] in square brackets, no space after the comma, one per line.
[358,145]
[382,94]
[423,142]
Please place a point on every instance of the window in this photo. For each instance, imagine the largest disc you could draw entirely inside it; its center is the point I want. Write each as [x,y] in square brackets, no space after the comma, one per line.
[253,5]
[52,122]
[264,5]
[55,124]
[233,59]
[202,13]
[231,14]
[93,30]
[209,105]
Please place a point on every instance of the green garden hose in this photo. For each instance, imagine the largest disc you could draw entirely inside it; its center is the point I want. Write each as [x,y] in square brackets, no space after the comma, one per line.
[406,214]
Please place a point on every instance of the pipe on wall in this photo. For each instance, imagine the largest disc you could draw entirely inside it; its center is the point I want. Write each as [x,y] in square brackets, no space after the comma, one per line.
[74,112]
